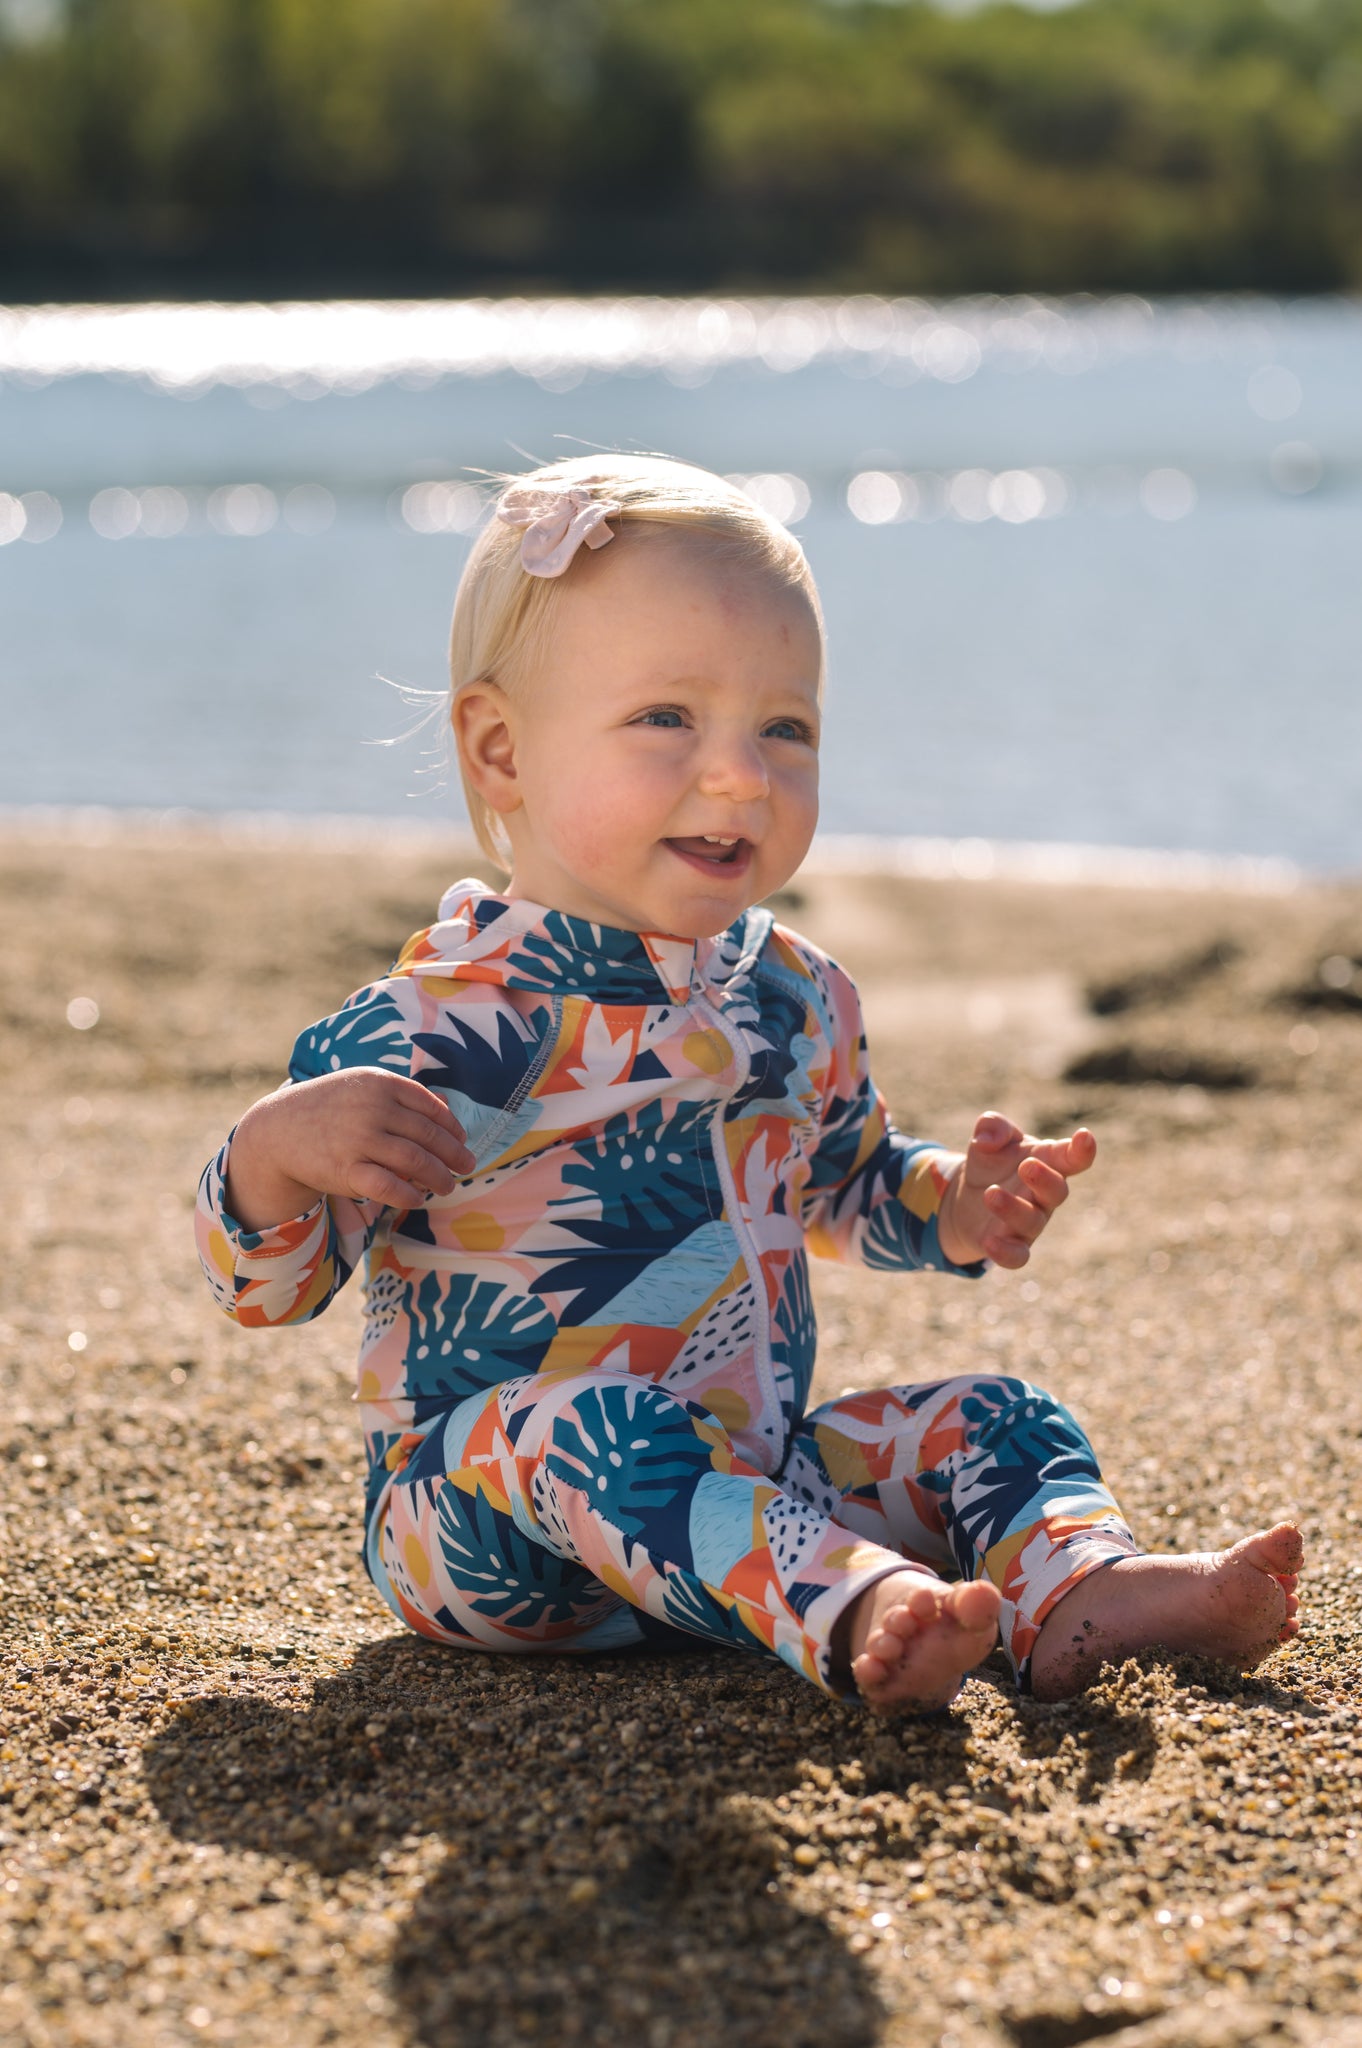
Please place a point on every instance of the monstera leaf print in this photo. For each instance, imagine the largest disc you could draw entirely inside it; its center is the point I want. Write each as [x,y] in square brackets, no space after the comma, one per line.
[1016,1463]
[573,957]
[687,1603]
[465,1334]
[794,1336]
[606,1055]
[638,1456]
[505,1575]
[368,1032]
[377,1444]
[839,1138]
[780,1051]
[650,1187]
[478,1079]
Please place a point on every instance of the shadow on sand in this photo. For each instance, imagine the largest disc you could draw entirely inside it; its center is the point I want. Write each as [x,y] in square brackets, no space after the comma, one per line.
[610,1866]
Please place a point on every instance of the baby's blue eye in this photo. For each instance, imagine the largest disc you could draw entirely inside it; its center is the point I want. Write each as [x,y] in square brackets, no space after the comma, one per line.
[786,729]
[667,720]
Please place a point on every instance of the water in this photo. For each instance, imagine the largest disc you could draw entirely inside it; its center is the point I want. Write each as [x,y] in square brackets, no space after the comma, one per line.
[1110,598]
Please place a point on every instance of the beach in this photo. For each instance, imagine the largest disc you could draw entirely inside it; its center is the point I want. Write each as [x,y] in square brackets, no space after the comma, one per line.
[238,1805]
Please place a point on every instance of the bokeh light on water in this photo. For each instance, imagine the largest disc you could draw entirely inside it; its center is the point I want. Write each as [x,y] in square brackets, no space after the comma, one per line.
[1087,564]
[304,351]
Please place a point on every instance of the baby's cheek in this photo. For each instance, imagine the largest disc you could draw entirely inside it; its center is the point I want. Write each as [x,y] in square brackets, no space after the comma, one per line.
[585,839]
[604,823]
[798,809]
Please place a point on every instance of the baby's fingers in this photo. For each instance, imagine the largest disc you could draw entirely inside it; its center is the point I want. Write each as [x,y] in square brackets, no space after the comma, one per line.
[413,1172]
[994,1132]
[417,1099]
[1011,1252]
[1019,1224]
[1046,1188]
[1070,1155]
[370,1182]
[1018,1216]
[445,1140]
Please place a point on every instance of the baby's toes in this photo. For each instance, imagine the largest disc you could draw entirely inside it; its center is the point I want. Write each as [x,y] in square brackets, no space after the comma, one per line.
[923,1604]
[895,1632]
[1279,1550]
[869,1672]
[975,1606]
[911,1616]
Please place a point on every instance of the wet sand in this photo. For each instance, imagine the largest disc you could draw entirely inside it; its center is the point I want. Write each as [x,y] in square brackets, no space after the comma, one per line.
[237,1806]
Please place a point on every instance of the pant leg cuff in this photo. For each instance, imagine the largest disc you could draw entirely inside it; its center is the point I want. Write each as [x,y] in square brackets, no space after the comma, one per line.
[868,1564]
[1080,1556]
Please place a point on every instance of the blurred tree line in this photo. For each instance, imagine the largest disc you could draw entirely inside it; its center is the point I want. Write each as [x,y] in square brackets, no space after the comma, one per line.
[433,146]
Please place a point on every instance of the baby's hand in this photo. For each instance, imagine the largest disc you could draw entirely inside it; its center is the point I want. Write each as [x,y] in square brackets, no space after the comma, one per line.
[374,1136]
[1006,1189]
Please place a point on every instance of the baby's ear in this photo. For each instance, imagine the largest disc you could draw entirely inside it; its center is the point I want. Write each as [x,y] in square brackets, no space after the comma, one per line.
[485,735]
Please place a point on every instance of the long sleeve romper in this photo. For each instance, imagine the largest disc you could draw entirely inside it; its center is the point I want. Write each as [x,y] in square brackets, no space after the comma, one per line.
[584,1373]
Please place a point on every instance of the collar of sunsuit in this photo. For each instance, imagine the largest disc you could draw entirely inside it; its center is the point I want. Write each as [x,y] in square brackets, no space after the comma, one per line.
[481,936]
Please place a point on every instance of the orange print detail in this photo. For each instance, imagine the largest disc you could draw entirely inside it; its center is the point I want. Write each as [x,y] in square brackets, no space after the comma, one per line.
[567,1051]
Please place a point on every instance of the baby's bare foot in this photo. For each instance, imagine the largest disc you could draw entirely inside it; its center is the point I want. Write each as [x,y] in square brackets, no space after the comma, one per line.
[1235,1604]
[912,1638]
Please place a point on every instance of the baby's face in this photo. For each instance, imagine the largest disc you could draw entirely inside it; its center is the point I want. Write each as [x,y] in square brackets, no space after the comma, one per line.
[667,756]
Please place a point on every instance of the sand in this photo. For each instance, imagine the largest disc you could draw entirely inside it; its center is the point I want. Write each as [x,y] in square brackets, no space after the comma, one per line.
[238,1806]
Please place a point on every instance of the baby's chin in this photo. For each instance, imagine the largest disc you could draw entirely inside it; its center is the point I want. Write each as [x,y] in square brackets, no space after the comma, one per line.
[690,921]
[703,918]
[673,898]
[699,897]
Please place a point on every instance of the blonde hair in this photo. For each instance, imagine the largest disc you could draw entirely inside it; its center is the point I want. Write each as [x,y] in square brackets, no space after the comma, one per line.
[502,624]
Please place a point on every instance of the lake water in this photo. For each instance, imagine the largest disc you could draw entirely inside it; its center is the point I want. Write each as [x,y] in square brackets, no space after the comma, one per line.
[1091,569]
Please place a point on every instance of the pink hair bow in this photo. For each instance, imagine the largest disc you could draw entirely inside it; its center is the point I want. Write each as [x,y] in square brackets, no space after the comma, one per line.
[557,518]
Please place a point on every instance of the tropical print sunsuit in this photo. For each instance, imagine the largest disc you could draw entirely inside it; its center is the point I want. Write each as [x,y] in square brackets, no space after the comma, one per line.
[584,1374]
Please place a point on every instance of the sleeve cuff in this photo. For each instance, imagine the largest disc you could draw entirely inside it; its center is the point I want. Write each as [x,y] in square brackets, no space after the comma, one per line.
[275,1237]
[933,1256]
[922,1191]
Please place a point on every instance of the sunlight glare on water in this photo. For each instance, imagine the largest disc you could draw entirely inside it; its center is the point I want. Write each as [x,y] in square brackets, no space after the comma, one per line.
[353,345]
[1087,565]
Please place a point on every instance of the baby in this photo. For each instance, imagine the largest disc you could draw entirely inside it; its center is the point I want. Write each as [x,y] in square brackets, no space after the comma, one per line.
[585,1135]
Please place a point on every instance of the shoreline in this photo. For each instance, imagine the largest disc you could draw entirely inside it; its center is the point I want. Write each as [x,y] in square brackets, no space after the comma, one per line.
[1057,863]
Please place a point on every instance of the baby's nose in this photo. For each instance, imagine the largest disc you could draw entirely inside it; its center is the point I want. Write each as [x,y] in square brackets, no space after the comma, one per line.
[735,769]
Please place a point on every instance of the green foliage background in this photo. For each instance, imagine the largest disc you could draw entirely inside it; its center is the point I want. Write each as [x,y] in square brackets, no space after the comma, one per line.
[431,146]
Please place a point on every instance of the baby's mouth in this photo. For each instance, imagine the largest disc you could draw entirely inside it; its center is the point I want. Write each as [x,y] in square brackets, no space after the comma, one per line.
[710,850]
